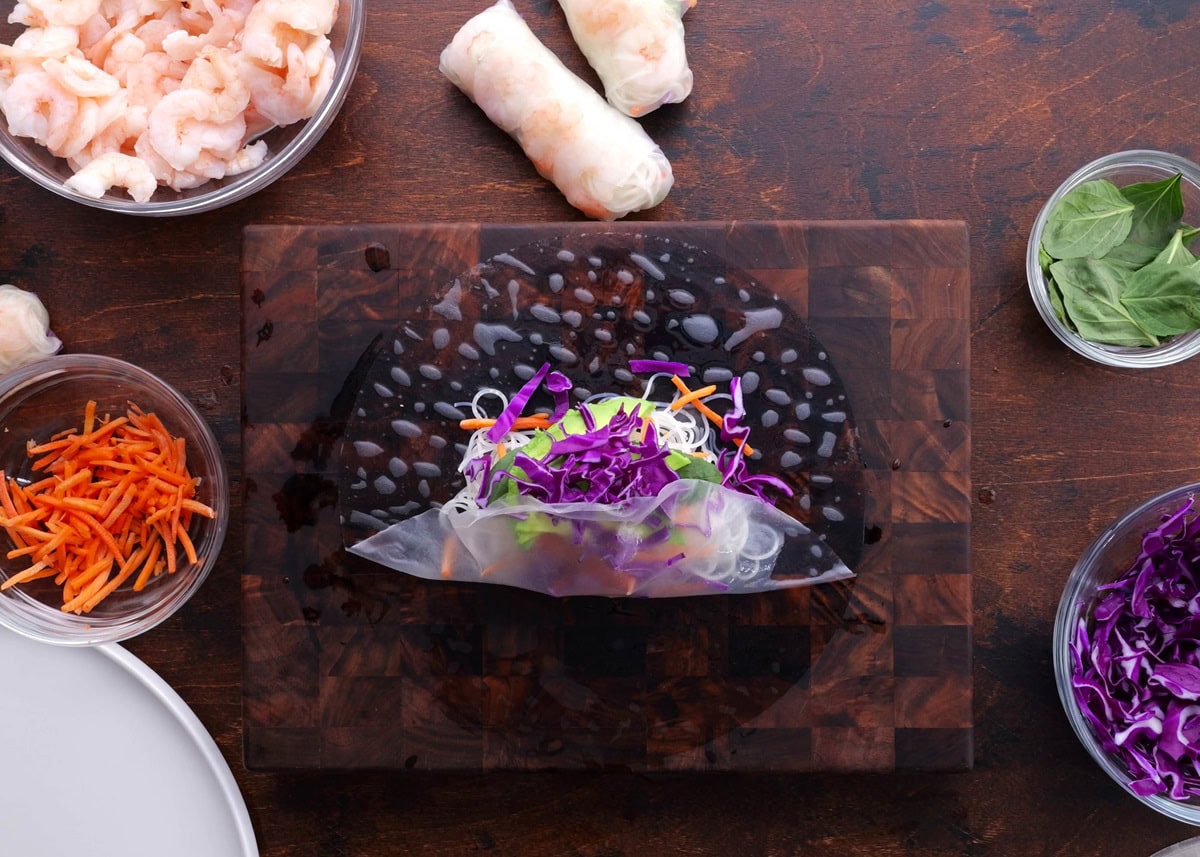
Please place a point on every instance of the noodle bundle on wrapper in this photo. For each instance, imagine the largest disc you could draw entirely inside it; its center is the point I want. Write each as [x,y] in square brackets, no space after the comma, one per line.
[601,160]
[637,49]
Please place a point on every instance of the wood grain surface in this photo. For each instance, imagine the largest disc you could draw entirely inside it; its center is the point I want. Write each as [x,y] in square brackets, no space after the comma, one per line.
[822,110]
[349,666]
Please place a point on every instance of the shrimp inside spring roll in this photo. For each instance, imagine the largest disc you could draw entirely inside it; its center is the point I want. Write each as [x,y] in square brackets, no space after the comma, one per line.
[636,47]
[602,161]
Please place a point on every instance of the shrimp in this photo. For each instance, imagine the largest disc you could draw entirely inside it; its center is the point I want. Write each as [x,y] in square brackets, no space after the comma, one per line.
[33,47]
[164,172]
[181,127]
[297,95]
[37,106]
[114,169]
[215,72]
[54,13]
[274,25]
[79,77]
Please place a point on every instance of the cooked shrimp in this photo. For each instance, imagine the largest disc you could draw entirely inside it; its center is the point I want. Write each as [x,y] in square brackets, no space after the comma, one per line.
[215,72]
[181,127]
[37,106]
[54,13]
[115,170]
[297,95]
[79,77]
[164,172]
[274,25]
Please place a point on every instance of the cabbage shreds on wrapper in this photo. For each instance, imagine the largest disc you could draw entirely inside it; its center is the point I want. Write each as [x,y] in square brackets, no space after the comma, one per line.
[1136,663]
[616,497]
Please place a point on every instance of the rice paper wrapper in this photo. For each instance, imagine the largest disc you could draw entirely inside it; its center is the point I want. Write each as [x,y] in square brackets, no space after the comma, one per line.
[693,538]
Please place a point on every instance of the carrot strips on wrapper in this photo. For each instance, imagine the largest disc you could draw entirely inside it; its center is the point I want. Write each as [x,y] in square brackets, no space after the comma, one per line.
[113,500]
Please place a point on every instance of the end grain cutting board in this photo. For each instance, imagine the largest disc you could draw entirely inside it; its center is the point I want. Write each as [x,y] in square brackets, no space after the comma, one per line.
[348,665]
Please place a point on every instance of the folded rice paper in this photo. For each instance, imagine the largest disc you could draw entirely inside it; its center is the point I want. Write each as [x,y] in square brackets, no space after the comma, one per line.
[608,488]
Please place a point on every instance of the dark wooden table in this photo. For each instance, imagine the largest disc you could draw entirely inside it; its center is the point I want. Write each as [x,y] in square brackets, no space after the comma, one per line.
[891,109]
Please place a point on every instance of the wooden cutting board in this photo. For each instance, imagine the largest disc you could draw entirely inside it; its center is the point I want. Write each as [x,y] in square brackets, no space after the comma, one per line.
[349,666]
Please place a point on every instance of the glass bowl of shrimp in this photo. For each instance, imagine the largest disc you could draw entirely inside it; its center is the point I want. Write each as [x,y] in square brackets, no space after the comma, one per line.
[196,106]
[114,500]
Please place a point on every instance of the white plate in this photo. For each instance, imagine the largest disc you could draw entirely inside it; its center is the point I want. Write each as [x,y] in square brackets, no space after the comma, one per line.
[99,756]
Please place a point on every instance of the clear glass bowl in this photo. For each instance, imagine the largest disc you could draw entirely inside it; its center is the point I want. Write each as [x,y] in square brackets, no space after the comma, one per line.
[287,146]
[1121,169]
[50,395]
[1109,556]
[1188,848]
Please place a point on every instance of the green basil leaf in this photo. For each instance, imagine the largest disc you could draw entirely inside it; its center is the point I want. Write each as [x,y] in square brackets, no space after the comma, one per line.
[1089,221]
[1164,299]
[1091,290]
[1056,303]
[1158,209]
[1045,260]
[1175,253]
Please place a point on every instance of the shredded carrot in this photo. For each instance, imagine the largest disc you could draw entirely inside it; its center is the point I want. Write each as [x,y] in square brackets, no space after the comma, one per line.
[694,396]
[712,415]
[534,421]
[116,500]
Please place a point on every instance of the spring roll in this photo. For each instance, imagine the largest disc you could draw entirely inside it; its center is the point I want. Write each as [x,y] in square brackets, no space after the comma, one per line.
[602,161]
[636,47]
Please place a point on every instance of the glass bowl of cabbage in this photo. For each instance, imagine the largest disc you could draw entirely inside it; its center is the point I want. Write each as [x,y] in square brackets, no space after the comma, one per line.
[1127,652]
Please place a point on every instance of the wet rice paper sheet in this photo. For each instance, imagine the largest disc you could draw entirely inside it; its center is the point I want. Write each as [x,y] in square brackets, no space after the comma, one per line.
[693,538]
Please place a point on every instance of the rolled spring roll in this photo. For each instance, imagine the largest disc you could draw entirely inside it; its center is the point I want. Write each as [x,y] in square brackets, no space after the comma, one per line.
[636,47]
[602,161]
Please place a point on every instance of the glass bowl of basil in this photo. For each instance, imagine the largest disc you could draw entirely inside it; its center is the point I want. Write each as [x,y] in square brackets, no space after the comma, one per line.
[1110,265]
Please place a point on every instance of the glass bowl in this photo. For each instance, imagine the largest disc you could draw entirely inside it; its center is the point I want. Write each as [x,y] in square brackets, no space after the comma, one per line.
[1122,168]
[50,395]
[1108,557]
[1187,848]
[286,145]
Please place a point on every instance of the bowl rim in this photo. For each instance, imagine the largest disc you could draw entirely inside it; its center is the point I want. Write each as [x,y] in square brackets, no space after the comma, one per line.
[241,186]
[1179,348]
[1070,606]
[93,632]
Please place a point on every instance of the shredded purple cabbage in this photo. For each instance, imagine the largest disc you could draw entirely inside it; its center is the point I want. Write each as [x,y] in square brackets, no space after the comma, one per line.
[649,367]
[1136,664]
[505,421]
[559,385]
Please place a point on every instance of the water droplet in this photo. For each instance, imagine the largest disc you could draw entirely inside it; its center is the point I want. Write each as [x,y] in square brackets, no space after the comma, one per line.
[650,295]
[361,412]
[366,449]
[594,365]
[456,386]
[545,313]
[408,508]
[718,281]
[595,261]
[828,440]
[790,460]
[744,296]
[624,276]
[437,441]
[468,351]
[623,375]
[427,470]
[681,298]
[450,306]
[822,479]
[701,328]
[585,297]
[405,428]
[664,258]
[494,373]
[832,514]
[749,382]
[441,338]
[718,375]
[433,373]
[789,355]
[512,261]
[777,396]
[412,334]
[383,391]
[796,436]
[419,407]
[630,348]
[460,448]
[448,411]
[359,485]
[383,485]
[582,393]
[400,377]
[770,419]
[757,321]
[487,335]
[397,347]
[423,489]
[563,355]
[514,291]
[817,376]
[602,334]
[536,338]
[805,502]
[821,355]
[592,278]
[572,318]
[523,371]
[566,256]
[642,317]
[834,416]
[555,282]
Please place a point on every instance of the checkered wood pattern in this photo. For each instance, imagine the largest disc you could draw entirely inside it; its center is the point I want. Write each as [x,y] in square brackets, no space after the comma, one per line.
[349,666]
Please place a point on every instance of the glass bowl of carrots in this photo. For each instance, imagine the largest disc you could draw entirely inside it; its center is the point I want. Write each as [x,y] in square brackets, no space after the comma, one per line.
[113,500]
